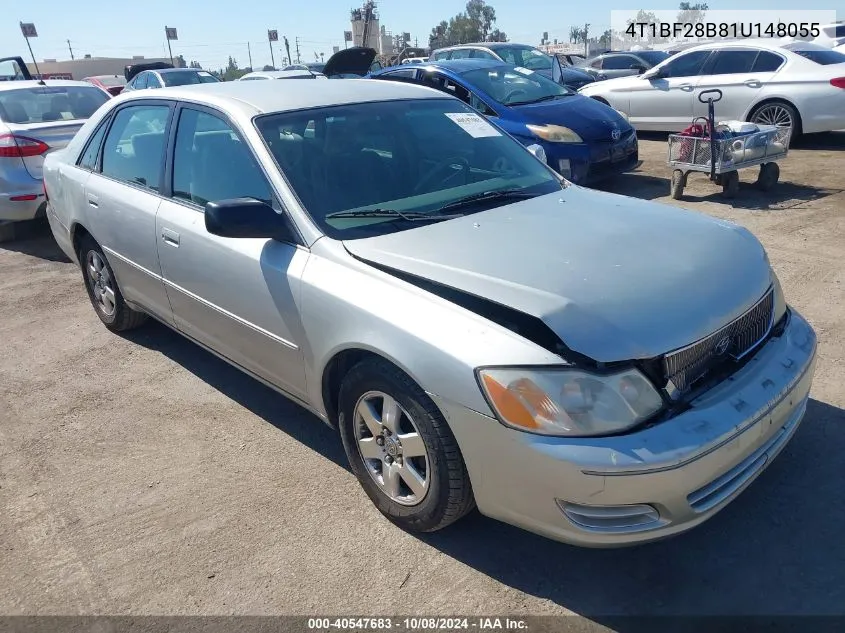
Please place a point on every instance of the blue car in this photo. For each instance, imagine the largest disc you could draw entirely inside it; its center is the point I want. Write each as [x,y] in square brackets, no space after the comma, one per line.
[584,140]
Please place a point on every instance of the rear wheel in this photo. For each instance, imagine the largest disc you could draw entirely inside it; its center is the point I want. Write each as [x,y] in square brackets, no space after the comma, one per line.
[103,290]
[401,449]
[778,113]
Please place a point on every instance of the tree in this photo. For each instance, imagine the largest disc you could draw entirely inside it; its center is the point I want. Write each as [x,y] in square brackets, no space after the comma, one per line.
[574,34]
[691,13]
[194,64]
[267,67]
[232,71]
[642,17]
[606,39]
[473,25]
[179,62]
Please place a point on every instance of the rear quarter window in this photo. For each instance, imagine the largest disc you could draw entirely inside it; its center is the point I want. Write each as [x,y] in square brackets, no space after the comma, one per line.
[50,103]
[823,57]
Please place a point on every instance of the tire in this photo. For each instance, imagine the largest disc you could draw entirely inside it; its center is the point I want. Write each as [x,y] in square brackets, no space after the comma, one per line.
[100,282]
[768,177]
[777,113]
[679,181]
[730,184]
[374,384]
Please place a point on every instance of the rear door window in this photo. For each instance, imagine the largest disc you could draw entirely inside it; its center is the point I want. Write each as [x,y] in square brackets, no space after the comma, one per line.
[133,151]
[767,62]
[730,62]
[88,160]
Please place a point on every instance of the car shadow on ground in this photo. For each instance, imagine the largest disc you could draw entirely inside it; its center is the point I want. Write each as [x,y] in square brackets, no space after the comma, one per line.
[777,550]
[34,238]
[785,195]
[262,401]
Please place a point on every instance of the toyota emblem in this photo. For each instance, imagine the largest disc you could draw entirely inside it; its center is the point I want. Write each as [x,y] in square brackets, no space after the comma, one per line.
[722,346]
[615,134]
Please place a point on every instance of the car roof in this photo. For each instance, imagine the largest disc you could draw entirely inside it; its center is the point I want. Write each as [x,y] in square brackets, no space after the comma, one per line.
[460,66]
[177,70]
[250,98]
[34,83]
[766,44]
[280,74]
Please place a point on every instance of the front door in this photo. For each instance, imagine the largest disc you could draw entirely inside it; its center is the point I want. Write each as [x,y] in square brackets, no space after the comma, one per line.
[665,101]
[238,297]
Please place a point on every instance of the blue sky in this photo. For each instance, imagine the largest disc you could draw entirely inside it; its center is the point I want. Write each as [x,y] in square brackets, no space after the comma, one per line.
[211,30]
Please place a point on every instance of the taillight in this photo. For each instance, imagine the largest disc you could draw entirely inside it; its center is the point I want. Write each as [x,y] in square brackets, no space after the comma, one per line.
[839,82]
[16,146]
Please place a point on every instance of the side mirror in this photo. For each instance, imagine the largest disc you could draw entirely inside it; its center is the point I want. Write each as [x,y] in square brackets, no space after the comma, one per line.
[246,217]
[538,151]
[653,74]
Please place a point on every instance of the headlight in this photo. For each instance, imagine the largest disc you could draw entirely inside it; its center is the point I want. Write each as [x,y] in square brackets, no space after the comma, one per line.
[569,402]
[622,114]
[555,133]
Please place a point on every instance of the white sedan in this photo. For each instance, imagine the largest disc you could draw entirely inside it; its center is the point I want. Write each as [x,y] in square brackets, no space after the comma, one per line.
[799,84]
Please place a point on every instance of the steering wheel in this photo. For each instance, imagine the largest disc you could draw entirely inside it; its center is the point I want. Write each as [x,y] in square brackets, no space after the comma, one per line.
[513,93]
[442,168]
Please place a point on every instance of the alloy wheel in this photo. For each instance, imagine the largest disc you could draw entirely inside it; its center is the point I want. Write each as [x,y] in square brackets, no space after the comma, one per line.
[101,282]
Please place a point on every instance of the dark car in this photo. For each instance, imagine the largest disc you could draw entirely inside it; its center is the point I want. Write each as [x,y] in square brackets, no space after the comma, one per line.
[353,62]
[583,140]
[520,55]
[166,77]
[622,64]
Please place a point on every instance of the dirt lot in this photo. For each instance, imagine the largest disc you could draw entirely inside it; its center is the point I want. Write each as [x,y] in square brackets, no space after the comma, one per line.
[141,475]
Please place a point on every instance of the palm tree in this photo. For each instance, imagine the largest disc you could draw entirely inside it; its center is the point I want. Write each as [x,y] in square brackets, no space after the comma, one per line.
[574,34]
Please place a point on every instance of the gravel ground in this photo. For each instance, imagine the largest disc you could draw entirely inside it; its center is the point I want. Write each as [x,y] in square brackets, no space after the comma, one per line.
[141,475]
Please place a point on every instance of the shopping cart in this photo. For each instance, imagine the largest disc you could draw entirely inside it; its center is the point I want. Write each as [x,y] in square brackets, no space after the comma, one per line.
[708,148]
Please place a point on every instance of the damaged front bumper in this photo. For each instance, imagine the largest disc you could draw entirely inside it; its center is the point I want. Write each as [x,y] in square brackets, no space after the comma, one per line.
[652,483]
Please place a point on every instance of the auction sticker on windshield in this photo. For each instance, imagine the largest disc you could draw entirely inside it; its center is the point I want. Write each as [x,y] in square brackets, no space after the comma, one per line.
[473,124]
[524,71]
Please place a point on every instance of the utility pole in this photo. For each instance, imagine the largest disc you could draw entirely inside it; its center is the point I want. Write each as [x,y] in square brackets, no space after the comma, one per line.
[298,61]
[586,36]
[249,52]
[70,49]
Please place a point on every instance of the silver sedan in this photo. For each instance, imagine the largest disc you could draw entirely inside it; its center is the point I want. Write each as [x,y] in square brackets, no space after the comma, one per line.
[594,368]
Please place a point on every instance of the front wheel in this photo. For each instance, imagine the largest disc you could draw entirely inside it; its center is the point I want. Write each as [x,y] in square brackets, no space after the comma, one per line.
[401,449]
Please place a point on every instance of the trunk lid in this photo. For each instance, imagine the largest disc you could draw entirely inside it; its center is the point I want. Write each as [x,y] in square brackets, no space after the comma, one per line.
[614,277]
[55,134]
[350,61]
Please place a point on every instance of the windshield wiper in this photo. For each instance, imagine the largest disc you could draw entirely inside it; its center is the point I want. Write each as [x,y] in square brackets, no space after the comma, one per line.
[496,194]
[411,216]
[539,99]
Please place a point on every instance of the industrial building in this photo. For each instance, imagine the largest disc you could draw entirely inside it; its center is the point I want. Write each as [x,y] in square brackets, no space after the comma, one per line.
[89,66]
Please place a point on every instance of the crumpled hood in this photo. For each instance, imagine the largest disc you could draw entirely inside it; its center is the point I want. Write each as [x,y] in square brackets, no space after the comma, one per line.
[615,278]
[590,119]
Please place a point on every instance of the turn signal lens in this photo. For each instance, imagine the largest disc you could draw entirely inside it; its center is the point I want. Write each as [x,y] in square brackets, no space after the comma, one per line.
[569,402]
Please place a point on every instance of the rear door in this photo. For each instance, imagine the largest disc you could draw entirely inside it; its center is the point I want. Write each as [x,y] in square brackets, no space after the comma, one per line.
[741,74]
[665,102]
[123,196]
[238,297]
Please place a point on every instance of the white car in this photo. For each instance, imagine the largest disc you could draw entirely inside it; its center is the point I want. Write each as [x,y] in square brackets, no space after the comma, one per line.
[830,36]
[800,84]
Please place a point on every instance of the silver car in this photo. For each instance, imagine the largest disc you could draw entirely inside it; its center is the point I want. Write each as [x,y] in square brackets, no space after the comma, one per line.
[594,368]
[37,118]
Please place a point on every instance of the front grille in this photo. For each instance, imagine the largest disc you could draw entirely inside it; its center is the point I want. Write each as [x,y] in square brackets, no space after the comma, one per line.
[685,366]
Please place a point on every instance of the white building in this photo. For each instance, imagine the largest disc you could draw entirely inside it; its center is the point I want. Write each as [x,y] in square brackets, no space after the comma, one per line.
[90,66]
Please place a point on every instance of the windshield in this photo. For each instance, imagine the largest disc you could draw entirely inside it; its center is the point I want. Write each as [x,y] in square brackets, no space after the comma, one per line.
[185,78]
[818,54]
[403,158]
[653,57]
[515,86]
[525,56]
[50,103]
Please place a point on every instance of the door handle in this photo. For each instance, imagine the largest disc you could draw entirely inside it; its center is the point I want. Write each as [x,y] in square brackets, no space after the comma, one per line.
[754,83]
[686,87]
[93,201]
[170,237]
